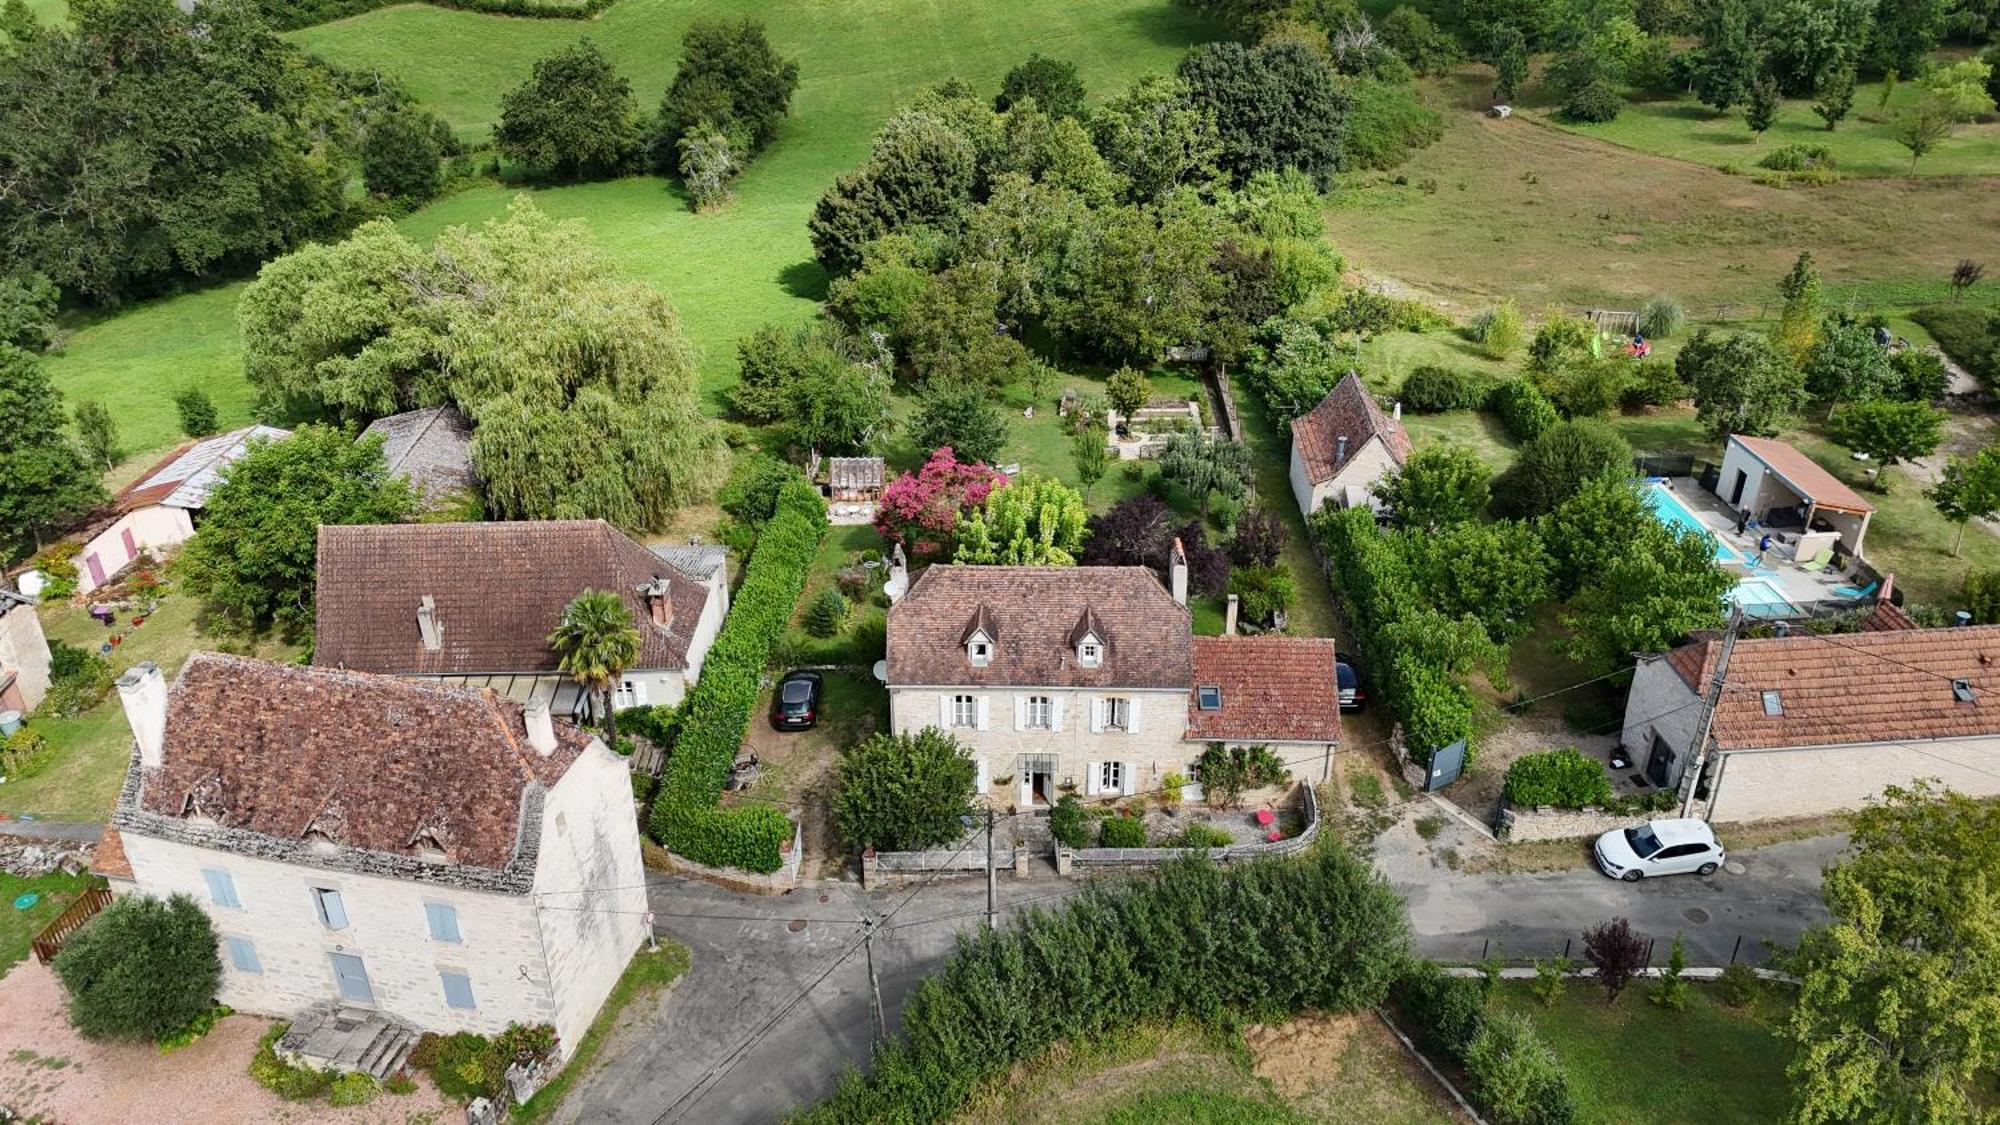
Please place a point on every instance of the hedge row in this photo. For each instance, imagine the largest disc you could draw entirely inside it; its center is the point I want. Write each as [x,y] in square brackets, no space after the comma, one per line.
[290,15]
[1381,592]
[1524,409]
[1255,942]
[1514,1075]
[685,819]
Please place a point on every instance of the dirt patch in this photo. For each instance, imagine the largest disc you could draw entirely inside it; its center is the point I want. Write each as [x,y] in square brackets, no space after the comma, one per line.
[1292,1056]
[1346,1068]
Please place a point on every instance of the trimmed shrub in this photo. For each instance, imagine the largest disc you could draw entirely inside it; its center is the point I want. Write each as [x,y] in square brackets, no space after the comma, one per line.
[1199,835]
[1448,1011]
[1661,318]
[1524,409]
[1430,389]
[1738,985]
[903,792]
[1563,778]
[197,412]
[827,615]
[1559,462]
[1121,832]
[144,968]
[1069,824]
[1597,102]
[1516,1076]
[717,713]
[1653,382]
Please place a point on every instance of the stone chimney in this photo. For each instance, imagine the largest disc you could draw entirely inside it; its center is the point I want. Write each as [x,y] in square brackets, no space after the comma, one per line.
[899,574]
[1396,411]
[541,728]
[1229,618]
[1177,572]
[1340,450]
[428,625]
[143,690]
[659,607]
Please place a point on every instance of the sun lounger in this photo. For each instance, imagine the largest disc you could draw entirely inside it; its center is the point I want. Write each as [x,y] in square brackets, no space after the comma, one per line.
[1817,562]
[1856,593]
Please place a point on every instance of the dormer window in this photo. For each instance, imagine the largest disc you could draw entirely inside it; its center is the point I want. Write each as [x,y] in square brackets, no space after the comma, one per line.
[1090,653]
[979,650]
[979,638]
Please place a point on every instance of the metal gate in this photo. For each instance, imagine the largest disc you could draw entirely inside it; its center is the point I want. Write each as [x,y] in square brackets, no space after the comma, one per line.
[1446,765]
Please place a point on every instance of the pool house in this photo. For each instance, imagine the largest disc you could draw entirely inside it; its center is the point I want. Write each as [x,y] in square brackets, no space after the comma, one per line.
[1787,492]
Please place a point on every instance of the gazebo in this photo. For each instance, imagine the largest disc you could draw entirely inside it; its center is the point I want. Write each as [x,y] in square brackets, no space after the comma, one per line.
[1783,488]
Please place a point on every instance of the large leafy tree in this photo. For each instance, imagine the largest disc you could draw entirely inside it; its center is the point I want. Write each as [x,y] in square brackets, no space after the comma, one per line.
[1439,485]
[1034,521]
[1497,573]
[731,79]
[595,640]
[1292,365]
[960,415]
[1275,106]
[920,172]
[399,157]
[1742,384]
[1898,1011]
[139,144]
[903,792]
[253,560]
[579,382]
[1157,138]
[1052,83]
[1968,489]
[953,333]
[1845,364]
[573,116]
[1558,463]
[45,482]
[142,969]
[1889,431]
[839,407]
[1596,525]
[1147,285]
[1664,585]
[1808,42]
[1726,63]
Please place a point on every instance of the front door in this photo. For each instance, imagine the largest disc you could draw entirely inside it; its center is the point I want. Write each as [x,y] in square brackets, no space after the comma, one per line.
[96,568]
[351,976]
[1660,765]
[1736,490]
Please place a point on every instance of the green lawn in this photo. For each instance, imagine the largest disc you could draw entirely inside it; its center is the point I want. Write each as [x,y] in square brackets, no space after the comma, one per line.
[19,927]
[1636,1062]
[1863,145]
[1313,613]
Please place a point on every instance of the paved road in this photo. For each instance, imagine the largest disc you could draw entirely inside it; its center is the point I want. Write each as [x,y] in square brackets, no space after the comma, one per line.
[80,831]
[698,1056]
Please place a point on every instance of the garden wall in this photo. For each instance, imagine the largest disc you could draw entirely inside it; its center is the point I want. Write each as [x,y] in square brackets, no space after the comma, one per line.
[1153,857]
[1521,825]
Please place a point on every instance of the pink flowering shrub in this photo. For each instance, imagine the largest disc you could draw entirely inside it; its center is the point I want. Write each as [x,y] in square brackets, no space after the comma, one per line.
[921,510]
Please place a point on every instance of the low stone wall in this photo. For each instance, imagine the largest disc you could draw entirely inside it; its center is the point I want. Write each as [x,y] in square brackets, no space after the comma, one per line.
[1153,857]
[785,878]
[1520,825]
[880,867]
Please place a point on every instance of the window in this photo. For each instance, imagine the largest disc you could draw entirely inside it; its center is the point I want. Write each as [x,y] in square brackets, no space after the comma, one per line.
[1117,714]
[1773,703]
[1209,697]
[1041,712]
[1961,690]
[457,988]
[964,711]
[1111,777]
[221,888]
[332,912]
[443,919]
[1089,654]
[981,653]
[630,693]
[243,955]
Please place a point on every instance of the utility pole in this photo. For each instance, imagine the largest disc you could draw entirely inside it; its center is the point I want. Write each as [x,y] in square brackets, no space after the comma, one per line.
[874,986]
[992,879]
[1691,777]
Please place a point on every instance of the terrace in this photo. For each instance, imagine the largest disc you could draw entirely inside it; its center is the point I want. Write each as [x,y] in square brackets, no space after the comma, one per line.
[1772,582]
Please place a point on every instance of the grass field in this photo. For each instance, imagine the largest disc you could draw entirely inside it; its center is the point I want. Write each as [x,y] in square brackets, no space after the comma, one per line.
[19,927]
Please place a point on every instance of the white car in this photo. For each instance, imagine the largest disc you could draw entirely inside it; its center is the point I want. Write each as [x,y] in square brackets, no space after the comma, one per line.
[1659,847]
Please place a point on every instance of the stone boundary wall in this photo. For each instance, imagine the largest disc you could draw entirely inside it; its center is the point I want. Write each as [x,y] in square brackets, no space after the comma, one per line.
[1153,857]
[1519,825]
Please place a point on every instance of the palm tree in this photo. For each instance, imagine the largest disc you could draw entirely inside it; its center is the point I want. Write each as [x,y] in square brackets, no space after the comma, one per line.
[596,640]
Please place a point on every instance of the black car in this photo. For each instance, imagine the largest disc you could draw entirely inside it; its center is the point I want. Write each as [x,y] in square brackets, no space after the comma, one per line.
[1353,697]
[795,705]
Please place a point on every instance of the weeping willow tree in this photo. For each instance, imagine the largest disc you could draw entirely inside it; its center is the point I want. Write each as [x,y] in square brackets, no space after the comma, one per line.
[579,382]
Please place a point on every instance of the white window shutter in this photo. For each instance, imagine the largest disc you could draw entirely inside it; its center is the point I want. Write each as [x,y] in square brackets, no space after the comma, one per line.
[1130,776]
[1020,712]
[1132,715]
[1096,715]
[980,785]
[980,711]
[639,692]
[1027,790]
[1090,779]
[1055,712]
[944,711]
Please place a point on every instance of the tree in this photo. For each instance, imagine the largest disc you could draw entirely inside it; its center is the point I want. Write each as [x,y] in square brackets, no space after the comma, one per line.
[1052,84]
[143,969]
[1155,137]
[707,164]
[953,334]
[1558,463]
[1726,62]
[1898,1010]
[28,311]
[1799,322]
[1923,128]
[1834,98]
[730,82]
[197,412]
[1088,450]
[1663,586]
[838,407]
[1616,953]
[97,433]
[1806,42]
[1596,526]
[1508,55]
[595,640]
[1845,364]
[253,560]
[1741,384]
[921,510]
[772,360]
[399,157]
[44,481]
[960,415]
[1904,35]
[1968,489]
[1496,573]
[898,793]
[1439,485]
[1560,341]
[1672,991]
[1127,390]
[1149,285]
[1034,521]
[1501,330]
[574,116]
[1259,539]
[1966,274]
[1761,112]
[1275,106]
[1206,465]
[920,172]
[1962,87]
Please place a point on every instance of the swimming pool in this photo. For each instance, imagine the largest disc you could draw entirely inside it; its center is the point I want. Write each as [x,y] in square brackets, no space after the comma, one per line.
[1761,598]
[1668,509]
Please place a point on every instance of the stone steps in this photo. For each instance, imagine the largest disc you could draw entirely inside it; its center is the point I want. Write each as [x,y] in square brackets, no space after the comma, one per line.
[331,1037]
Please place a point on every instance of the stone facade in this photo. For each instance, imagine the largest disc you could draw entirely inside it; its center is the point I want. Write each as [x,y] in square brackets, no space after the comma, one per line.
[24,656]
[1662,717]
[1526,825]
[1364,467]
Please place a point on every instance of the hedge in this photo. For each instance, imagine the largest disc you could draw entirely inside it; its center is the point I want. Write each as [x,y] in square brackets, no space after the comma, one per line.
[717,712]
[1250,943]
[1430,389]
[1514,1075]
[1969,334]
[290,15]
[1524,409]
[1564,779]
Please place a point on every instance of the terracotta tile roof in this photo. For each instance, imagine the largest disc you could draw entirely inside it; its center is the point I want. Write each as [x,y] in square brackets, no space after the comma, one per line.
[499,588]
[1894,685]
[1276,689]
[109,858]
[1030,612]
[432,447]
[372,762]
[1803,474]
[182,478]
[1347,410]
[1887,618]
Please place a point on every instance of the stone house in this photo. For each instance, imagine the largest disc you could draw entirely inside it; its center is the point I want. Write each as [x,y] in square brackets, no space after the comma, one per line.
[1090,680]
[474,603]
[1342,447]
[425,852]
[24,654]
[160,509]
[432,449]
[1815,724]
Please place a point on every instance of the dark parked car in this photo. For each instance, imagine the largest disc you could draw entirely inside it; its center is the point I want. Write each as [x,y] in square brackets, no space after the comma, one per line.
[795,705]
[1353,697]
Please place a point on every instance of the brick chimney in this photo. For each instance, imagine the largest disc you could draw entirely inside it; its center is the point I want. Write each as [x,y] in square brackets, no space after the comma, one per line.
[1177,572]
[541,728]
[143,691]
[428,625]
[659,607]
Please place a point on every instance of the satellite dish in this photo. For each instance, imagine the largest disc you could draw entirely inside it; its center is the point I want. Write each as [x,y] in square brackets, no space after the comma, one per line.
[881,670]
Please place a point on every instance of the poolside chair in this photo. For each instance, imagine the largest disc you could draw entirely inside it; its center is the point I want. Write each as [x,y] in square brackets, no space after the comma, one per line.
[1856,593]
[1817,562]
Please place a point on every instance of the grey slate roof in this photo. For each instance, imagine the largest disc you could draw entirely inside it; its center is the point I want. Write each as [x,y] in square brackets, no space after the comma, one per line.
[184,478]
[432,447]
[697,560]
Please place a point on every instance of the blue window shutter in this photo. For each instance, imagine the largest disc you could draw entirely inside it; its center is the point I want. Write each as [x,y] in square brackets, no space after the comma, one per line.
[221,888]
[331,911]
[444,921]
[457,989]
[243,955]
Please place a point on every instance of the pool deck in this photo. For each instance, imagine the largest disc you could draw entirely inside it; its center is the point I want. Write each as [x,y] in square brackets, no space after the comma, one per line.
[1780,565]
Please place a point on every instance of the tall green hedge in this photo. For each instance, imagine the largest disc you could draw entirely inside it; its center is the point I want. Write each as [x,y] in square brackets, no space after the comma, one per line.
[686,820]
[1561,778]
[1249,943]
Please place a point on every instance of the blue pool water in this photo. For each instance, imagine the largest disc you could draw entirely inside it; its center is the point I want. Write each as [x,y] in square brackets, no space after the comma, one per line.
[1668,509]
[1760,598]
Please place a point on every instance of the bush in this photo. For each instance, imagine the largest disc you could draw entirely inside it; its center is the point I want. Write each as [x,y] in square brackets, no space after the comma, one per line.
[1561,778]
[1516,1076]
[469,1066]
[144,968]
[24,754]
[1597,102]
[1199,835]
[1322,931]
[1798,158]
[353,1088]
[717,712]
[1616,953]
[197,412]
[1661,318]
[902,793]
[827,615]
[430,1044]
[1263,592]
[1551,979]
[1448,1011]
[1121,832]
[1069,824]
[78,679]
[1982,596]
[1967,333]
[1559,462]
[1430,389]
[1524,409]
[1653,382]
[202,1025]
[1226,771]
[1738,985]
[1386,122]
[1498,330]
[292,1083]
[1671,992]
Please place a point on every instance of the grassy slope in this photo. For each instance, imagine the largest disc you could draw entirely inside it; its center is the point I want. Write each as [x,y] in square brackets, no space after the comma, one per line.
[19,927]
